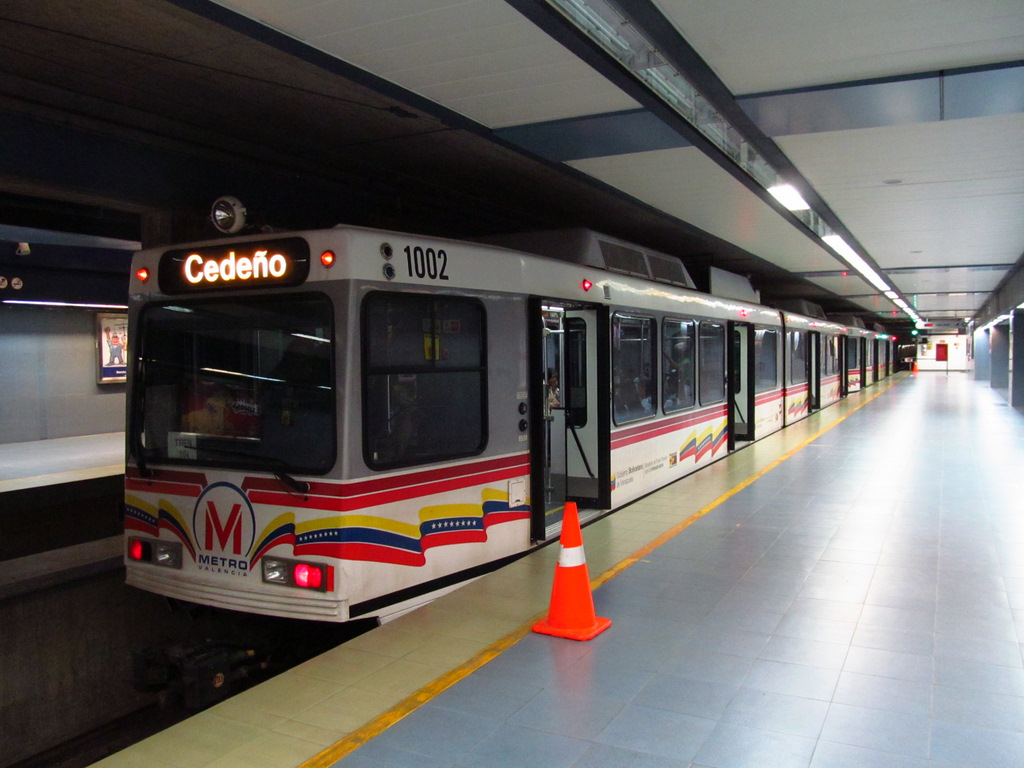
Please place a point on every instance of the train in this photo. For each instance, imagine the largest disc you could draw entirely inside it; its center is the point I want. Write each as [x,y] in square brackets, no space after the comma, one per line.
[345,423]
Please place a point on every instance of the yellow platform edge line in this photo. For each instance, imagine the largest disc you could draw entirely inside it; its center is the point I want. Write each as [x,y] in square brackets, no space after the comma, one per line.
[411,703]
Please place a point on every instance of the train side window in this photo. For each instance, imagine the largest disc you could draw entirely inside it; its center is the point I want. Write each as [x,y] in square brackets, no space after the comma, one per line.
[852,353]
[766,359]
[633,382]
[424,379]
[712,362]
[678,347]
[575,388]
[797,357]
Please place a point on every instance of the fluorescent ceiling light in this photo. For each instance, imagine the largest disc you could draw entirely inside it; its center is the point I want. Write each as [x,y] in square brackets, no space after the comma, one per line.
[843,248]
[789,197]
[892,295]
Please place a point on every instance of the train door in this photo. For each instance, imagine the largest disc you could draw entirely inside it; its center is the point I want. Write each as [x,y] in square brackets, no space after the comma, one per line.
[864,366]
[844,366]
[741,383]
[813,371]
[570,431]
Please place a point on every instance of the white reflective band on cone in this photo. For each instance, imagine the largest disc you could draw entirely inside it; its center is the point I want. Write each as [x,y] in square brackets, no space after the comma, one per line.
[571,557]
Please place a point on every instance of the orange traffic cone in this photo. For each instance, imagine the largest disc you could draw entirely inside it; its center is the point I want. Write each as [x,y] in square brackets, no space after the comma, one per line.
[915,367]
[572,605]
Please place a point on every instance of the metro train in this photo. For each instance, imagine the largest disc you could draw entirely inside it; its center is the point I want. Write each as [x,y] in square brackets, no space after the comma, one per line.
[345,423]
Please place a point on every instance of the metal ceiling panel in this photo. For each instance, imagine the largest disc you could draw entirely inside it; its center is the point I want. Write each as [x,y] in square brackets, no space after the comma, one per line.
[950,279]
[949,304]
[687,184]
[926,195]
[850,284]
[480,58]
[758,47]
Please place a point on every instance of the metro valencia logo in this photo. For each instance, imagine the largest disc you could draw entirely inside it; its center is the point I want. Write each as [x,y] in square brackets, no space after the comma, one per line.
[224,524]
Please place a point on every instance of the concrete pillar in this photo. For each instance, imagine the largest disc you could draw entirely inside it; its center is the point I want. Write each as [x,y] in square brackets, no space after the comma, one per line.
[982,355]
[1017,355]
[1000,357]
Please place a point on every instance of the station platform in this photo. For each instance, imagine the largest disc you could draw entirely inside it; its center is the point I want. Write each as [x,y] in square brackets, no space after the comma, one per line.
[60,460]
[848,592]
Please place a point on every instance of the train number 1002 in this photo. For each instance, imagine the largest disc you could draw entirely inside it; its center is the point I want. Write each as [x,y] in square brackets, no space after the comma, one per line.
[426,262]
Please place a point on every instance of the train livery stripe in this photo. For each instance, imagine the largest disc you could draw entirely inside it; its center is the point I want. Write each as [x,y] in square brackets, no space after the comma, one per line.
[635,435]
[348,497]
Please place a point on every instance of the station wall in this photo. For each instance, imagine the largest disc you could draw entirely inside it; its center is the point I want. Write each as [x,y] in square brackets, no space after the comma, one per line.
[932,357]
[48,376]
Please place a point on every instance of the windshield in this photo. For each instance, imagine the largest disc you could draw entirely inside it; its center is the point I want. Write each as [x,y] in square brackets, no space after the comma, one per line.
[243,383]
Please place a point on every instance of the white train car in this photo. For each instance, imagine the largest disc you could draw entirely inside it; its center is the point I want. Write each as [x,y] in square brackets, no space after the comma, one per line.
[342,423]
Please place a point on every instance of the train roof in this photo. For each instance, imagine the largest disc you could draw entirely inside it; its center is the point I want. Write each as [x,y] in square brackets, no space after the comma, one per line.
[594,249]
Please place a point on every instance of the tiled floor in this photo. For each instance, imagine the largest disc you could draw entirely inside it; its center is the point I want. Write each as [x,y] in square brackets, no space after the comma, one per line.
[850,602]
[860,605]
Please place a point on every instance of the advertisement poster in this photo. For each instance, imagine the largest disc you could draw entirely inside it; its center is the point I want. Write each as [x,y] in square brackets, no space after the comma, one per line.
[112,345]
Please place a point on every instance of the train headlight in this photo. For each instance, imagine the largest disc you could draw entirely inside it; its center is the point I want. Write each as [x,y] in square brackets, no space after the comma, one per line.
[275,571]
[167,554]
[297,573]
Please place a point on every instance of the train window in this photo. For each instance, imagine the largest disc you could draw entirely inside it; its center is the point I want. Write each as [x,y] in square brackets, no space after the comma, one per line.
[797,357]
[237,383]
[575,390]
[831,360]
[424,380]
[852,353]
[633,383]
[678,348]
[712,362]
[766,359]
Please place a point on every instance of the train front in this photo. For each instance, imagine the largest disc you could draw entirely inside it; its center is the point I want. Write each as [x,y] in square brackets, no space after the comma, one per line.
[232,420]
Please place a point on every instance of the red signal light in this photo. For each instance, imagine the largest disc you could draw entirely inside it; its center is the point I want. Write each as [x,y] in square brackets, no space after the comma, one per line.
[142,274]
[327,258]
[587,285]
[308,576]
[135,550]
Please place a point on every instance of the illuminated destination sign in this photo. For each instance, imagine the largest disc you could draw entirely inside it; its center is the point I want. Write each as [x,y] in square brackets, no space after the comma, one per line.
[256,264]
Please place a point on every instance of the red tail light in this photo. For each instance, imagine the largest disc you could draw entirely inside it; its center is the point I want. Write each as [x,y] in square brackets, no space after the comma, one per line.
[308,576]
[136,550]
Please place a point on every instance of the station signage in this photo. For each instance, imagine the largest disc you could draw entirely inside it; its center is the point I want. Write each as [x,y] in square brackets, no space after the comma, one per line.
[254,264]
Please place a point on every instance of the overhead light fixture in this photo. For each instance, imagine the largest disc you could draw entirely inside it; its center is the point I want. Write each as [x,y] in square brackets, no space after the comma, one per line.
[23,249]
[614,31]
[789,197]
[840,246]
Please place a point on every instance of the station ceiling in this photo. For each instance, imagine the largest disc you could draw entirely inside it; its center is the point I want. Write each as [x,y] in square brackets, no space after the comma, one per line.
[902,125]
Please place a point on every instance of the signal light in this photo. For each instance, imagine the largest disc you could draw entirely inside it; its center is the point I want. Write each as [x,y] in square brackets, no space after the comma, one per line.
[587,285]
[142,274]
[327,258]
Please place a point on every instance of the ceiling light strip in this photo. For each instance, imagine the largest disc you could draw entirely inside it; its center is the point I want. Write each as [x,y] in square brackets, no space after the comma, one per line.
[604,23]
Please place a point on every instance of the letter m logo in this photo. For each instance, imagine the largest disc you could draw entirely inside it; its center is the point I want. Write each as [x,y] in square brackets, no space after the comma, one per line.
[224,531]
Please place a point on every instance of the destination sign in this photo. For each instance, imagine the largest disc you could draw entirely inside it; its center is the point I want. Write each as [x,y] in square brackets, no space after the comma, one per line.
[256,264]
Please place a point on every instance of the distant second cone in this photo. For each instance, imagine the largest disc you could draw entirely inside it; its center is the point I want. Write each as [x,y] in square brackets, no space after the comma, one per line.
[572,604]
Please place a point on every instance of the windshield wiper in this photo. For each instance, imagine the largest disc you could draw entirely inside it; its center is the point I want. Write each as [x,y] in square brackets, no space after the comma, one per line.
[299,486]
[270,463]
